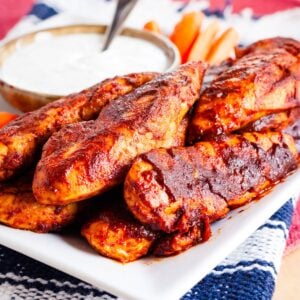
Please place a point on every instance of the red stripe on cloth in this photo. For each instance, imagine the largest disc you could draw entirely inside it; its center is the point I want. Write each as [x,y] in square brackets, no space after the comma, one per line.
[11,11]
[259,7]
[294,234]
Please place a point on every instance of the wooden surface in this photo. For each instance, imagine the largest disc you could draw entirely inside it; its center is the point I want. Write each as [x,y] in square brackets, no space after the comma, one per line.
[288,282]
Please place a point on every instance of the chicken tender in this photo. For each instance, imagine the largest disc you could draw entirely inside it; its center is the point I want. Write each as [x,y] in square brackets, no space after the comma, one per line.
[21,139]
[173,189]
[294,128]
[274,122]
[19,209]
[290,45]
[257,84]
[145,119]
[116,234]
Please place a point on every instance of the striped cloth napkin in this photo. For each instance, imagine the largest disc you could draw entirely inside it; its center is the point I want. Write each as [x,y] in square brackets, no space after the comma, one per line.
[250,271]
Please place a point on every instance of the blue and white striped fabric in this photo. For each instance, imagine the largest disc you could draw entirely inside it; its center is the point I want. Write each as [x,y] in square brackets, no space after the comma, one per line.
[248,273]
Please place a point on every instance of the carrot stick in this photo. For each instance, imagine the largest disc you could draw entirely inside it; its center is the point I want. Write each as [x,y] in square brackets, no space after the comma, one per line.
[6,117]
[223,46]
[186,31]
[152,26]
[203,42]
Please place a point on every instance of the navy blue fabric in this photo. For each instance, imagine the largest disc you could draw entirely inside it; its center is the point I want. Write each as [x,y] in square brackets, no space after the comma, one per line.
[215,13]
[284,214]
[42,11]
[257,285]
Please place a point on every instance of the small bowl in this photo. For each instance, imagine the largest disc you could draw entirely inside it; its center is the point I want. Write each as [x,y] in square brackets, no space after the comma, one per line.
[26,100]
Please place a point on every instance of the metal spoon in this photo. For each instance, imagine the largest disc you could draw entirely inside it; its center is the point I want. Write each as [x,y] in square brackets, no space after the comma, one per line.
[124,7]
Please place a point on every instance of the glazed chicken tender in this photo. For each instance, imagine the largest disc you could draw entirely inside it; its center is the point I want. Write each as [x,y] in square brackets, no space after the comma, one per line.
[21,139]
[274,122]
[19,209]
[173,189]
[257,84]
[116,234]
[290,45]
[145,119]
[294,128]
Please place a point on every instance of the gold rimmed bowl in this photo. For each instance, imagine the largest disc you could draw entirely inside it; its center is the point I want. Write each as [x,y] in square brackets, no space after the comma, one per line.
[27,100]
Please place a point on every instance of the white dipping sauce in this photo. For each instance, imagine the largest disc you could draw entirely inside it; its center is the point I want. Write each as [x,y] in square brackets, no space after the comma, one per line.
[61,65]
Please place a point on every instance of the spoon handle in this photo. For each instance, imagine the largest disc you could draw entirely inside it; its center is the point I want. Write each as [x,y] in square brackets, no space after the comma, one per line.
[124,7]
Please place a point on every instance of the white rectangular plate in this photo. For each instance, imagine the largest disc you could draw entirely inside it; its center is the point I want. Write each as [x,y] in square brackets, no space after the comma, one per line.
[151,278]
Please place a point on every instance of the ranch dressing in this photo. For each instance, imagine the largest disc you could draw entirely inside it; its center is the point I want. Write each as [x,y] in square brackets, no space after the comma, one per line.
[61,65]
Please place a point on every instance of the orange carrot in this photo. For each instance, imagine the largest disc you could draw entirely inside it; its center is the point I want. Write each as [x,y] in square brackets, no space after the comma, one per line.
[6,117]
[223,46]
[186,31]
[152,26]
[203,42]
